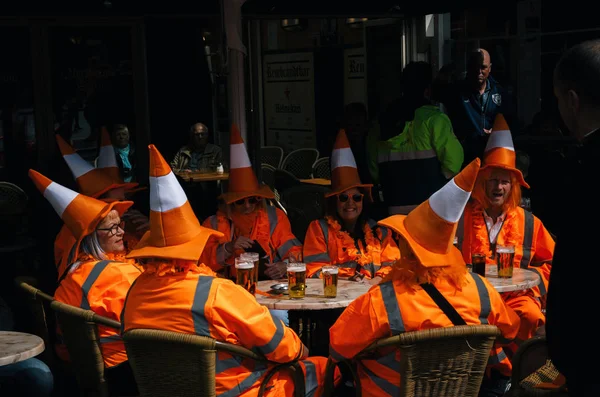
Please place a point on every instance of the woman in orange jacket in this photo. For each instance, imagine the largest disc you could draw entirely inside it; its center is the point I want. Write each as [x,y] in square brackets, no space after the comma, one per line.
[401,304]
[494,217]
[247,223]
[103,183]
[100,276]
[346,237]
[178,293]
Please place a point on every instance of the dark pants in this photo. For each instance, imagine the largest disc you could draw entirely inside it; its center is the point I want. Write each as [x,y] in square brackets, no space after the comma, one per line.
[30,378]
[121,381]
[494,385]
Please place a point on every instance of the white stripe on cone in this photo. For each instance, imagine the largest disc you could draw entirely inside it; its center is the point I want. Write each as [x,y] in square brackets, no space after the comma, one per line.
[106,157]
[500,138]
[239,156]
[342,158]
[449,202]
[59,197]
[77,164]
[166,193]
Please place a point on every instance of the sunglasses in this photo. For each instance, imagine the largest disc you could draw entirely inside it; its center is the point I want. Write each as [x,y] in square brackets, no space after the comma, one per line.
[357,197]
[251,201]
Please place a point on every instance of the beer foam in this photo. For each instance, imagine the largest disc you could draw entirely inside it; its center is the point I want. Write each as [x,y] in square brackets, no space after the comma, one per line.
[505,250]
[333,270]
[244,265]
[296,269]
[250,255]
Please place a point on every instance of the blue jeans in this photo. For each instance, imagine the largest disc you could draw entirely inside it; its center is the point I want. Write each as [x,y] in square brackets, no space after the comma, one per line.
[281,315]
[26,378]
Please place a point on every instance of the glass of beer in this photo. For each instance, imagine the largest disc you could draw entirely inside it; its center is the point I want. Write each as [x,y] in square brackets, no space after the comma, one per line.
[478,262]
[505,256]
[254,258]
[330,281]
[244,270]
[296,280]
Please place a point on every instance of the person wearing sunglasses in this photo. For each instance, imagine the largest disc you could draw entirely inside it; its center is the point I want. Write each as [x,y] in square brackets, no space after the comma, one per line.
[248,223]
[346,236]
[198,154]
[99,276]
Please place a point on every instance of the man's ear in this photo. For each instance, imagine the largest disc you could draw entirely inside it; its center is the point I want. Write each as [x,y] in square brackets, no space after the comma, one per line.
[573,101]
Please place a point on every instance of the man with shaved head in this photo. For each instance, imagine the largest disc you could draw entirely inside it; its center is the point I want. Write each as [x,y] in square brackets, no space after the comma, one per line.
[473,103]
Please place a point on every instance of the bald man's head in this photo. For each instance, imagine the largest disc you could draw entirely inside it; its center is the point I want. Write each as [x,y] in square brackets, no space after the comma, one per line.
[479,66]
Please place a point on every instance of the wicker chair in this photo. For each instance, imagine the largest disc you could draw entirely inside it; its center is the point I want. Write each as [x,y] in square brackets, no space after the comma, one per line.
[300,162]
[271,155]
[80,333]
[38,303]
[168,363]
[439,362]
[268,175]
[530,366]
[321,168]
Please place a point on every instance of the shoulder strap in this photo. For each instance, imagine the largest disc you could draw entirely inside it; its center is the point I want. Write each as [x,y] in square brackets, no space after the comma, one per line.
[443,303]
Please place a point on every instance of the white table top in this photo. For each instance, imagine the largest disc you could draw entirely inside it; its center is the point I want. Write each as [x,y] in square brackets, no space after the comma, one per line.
[18,346]
[314,298]
[522,279]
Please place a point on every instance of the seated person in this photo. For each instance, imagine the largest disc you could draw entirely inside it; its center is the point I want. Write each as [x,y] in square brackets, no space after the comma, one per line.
[429,258]
[201,303]
[247,222]
[494,216]
[104,183]
[125,152]
[100,276]
[198,154]
[346,237]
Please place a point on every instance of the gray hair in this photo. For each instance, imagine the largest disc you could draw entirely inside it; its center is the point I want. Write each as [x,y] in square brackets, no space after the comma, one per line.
[91,246]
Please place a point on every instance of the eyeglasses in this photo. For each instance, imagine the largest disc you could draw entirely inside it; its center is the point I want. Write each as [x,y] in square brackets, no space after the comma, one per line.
[114,229]
[201,134]
[251,201]
[357,197]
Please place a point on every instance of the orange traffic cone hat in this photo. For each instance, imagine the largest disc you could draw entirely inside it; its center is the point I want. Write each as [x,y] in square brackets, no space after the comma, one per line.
[92,182]
[80,213]
[344,174]
[242,179]
[500,150]
[175,232]
[429,229]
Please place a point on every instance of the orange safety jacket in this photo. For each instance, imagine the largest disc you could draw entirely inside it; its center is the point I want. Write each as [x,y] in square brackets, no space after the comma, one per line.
[392,307]
[196,302]
[64,246]
[533,250]
[324,246]
[99,286]
[273,233]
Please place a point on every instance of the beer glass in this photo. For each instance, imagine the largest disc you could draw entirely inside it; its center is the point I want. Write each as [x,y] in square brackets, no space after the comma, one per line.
[254,258]
[330,281]
[478,262]
[296,280]
[505,256]
[244,270]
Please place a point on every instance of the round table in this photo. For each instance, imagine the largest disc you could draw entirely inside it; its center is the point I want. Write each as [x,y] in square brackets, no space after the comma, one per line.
[312,316]
[314,298]
[203,176]
[522,279]
[18,346]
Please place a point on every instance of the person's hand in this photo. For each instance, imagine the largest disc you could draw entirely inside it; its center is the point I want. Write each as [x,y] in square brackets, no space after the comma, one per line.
[139,220]
[357,277]
[375,280]
[276,270]
[186,170]
[487,132]
[241,243]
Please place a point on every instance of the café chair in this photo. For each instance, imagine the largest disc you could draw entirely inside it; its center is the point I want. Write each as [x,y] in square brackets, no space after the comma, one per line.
[80,333]
[532,367]
[169,363]
[438,362]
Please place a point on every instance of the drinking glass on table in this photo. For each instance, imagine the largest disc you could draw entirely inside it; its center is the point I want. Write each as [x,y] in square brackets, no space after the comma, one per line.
[296,280]
[330,281]
[244,269]
[505,257]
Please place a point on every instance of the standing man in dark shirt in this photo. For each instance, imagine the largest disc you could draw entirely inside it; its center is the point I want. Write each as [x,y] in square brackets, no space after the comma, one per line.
[473,103]
[575,273]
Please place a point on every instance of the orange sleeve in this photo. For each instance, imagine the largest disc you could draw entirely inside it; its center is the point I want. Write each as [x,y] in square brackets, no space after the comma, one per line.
[251,324]
[389,252]
[316,250]
[107,295]
[366,317]
[213,255]
[502,316]
[285,242]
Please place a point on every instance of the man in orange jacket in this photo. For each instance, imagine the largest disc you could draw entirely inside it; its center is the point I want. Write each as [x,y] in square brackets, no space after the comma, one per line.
[493,217]
[401,304]
[178,293]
